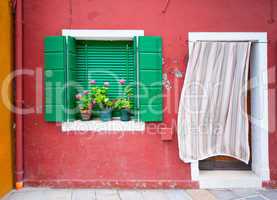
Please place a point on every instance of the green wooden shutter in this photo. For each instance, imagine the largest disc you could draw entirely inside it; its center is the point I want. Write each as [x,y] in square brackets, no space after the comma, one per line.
[150,78]
[54,77]
[71,79]
[136,86]
[105,61]
[59,61]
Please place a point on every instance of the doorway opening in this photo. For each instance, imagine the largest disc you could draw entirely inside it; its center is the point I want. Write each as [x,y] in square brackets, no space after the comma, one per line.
[220,172]
[226,162]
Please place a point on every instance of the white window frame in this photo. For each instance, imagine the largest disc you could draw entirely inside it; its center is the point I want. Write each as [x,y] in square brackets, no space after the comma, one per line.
[94,125]
[91,34]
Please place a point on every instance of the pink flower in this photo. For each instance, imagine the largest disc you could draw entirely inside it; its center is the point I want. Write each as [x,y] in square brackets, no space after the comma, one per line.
[78,96]
[106,84]
[94,102]
[90,106]
[93,82]
[85,92]
[122,81]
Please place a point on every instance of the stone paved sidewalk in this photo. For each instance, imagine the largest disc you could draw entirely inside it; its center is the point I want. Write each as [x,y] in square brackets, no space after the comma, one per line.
[103,194]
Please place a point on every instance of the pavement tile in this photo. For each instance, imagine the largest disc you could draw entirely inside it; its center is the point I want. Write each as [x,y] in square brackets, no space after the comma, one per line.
[12,196]
[26,195]
[153,195]
[224,194]
[107,194]
[176,195]
[254,197]
[270,194]
[243,192]
[130,195]
[56,194]
[83,194]
[201,195]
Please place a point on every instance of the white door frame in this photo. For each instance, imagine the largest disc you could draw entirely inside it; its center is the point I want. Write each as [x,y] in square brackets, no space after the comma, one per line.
[259,95]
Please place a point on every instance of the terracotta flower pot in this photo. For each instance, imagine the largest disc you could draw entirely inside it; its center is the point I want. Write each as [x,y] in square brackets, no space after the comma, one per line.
[85,115]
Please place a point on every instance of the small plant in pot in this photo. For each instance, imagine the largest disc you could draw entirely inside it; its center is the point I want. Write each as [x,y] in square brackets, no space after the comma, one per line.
[124,106]
[101,98]
[124,103]
[85,104]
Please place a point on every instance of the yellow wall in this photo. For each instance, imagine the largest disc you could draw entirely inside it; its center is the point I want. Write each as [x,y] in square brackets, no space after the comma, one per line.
[6,178]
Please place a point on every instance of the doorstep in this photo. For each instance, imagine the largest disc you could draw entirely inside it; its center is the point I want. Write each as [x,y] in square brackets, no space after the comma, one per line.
[228,179]
[98,126]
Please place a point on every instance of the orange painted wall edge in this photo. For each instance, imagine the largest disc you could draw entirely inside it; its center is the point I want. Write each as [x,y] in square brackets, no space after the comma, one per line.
[6,140]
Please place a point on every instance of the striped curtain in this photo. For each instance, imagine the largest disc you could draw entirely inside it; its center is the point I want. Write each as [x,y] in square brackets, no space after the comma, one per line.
[212,118]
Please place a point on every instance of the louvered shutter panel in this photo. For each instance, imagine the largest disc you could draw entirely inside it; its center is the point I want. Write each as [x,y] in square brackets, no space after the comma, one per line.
[106,61]
[81,62]
[71,79]
[54,77]
[58,62]
[150,78]
[136,86]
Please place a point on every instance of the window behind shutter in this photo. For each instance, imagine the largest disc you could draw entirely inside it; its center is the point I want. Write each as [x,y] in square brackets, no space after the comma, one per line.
[150,78]
[106,61]
[55,78]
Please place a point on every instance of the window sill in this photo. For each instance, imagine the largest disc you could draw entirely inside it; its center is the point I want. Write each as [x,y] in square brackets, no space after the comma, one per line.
[97,126]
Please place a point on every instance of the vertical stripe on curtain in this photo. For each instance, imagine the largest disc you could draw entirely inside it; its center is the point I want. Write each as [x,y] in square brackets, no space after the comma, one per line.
[212,118]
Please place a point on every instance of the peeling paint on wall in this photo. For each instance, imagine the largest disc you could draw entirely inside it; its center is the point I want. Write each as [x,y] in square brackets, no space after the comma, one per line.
[176,72]
[166,82]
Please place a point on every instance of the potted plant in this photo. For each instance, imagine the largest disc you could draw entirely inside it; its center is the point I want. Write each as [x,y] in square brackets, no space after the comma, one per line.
[124,103]
[124,106]
[101,98]
[85,104]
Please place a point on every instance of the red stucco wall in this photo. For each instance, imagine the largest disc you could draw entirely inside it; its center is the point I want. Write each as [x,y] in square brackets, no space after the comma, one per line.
[95,159]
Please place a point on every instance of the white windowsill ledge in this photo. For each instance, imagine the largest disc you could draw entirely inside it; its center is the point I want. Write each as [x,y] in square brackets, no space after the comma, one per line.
[98,126]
